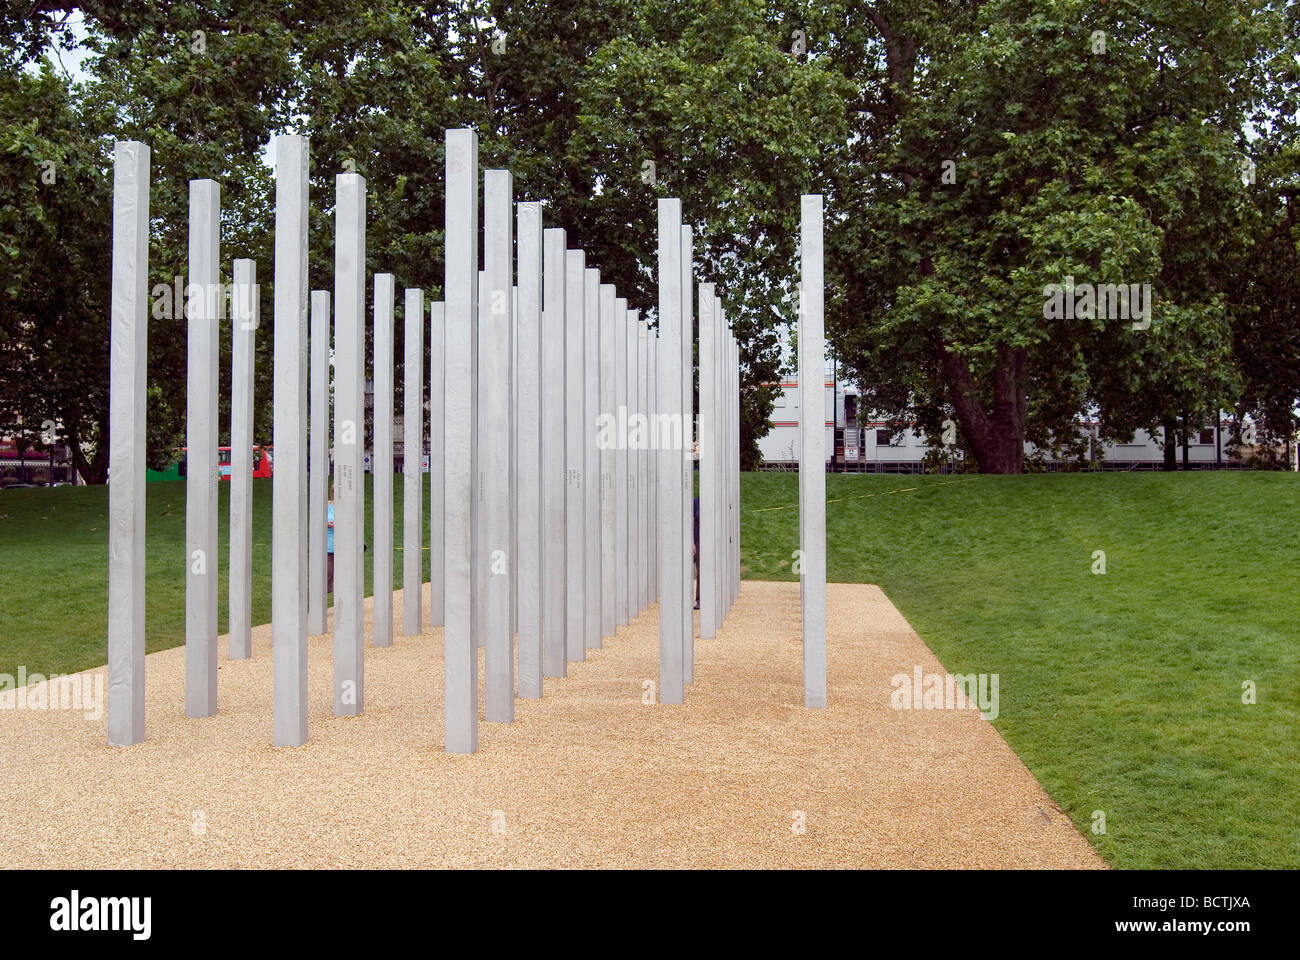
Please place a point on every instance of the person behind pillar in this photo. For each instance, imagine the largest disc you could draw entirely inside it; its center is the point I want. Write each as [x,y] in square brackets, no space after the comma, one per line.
[695,455]
[329,541]
[697,553]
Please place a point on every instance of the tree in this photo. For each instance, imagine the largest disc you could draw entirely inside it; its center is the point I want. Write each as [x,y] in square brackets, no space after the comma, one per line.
[54,205]
[206,86]
[972,155]
[713,103]
[1265,286]
[1079,140]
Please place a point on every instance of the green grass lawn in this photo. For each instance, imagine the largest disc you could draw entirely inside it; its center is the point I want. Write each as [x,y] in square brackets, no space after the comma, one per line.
[1122,692]
[54,570]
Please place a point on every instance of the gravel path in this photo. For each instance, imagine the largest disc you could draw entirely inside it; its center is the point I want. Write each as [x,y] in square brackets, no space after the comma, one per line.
[589,776]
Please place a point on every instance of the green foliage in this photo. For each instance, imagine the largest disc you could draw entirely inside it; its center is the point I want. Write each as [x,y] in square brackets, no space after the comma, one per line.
[206,86]
[736,126]
[1111,167]
[54,214]
[970,153]
[1264,287]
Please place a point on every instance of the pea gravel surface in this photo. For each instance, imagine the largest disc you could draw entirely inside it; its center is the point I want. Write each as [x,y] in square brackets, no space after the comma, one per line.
[594,774]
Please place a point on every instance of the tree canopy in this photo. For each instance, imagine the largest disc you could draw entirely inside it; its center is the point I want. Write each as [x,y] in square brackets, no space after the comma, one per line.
[974,156]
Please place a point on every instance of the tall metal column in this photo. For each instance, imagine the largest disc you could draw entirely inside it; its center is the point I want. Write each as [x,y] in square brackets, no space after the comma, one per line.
[460,462]
[528,426]
[412,453]
[671,455]
[618,328]
[496,346]
[591,491]
[554,438]
[349,443]
[318,480]
[201,475]
[608,441]
[128,362]
[437,459]
[688,459]
[244,309]
[644,340]
[710,460]
[289,483]
[575,512]
[812,449]
[381,461]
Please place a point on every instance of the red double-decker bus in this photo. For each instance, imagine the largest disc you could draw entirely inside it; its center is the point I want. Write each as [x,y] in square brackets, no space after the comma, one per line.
[261,461]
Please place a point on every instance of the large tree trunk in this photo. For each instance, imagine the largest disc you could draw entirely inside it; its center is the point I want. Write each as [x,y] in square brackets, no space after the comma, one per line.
[94,469]
[998,438]
[1170,444]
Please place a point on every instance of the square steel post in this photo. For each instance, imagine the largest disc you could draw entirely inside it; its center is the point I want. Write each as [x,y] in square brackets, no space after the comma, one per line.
[319,468]
[733,466]
[735,470]
[244,309]
[631,455]
[437,478]
[381,460]
[554,438]
[528,444]
[652,458]
[460,462]
[688,458]
[412,453]
[812,449]
[349,443]
[514,462]
[289,533]
[710,460]
[495,346]
[575,506]
[607,442]
[618,328]
[591,492]
[128,363]
[479,569]
[201,476]
[735,461]
[672,455]
[722,426]
[644,493]
[724,589]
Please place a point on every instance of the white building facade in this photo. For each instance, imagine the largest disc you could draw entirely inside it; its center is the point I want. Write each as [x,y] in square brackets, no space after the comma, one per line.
[862,441]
